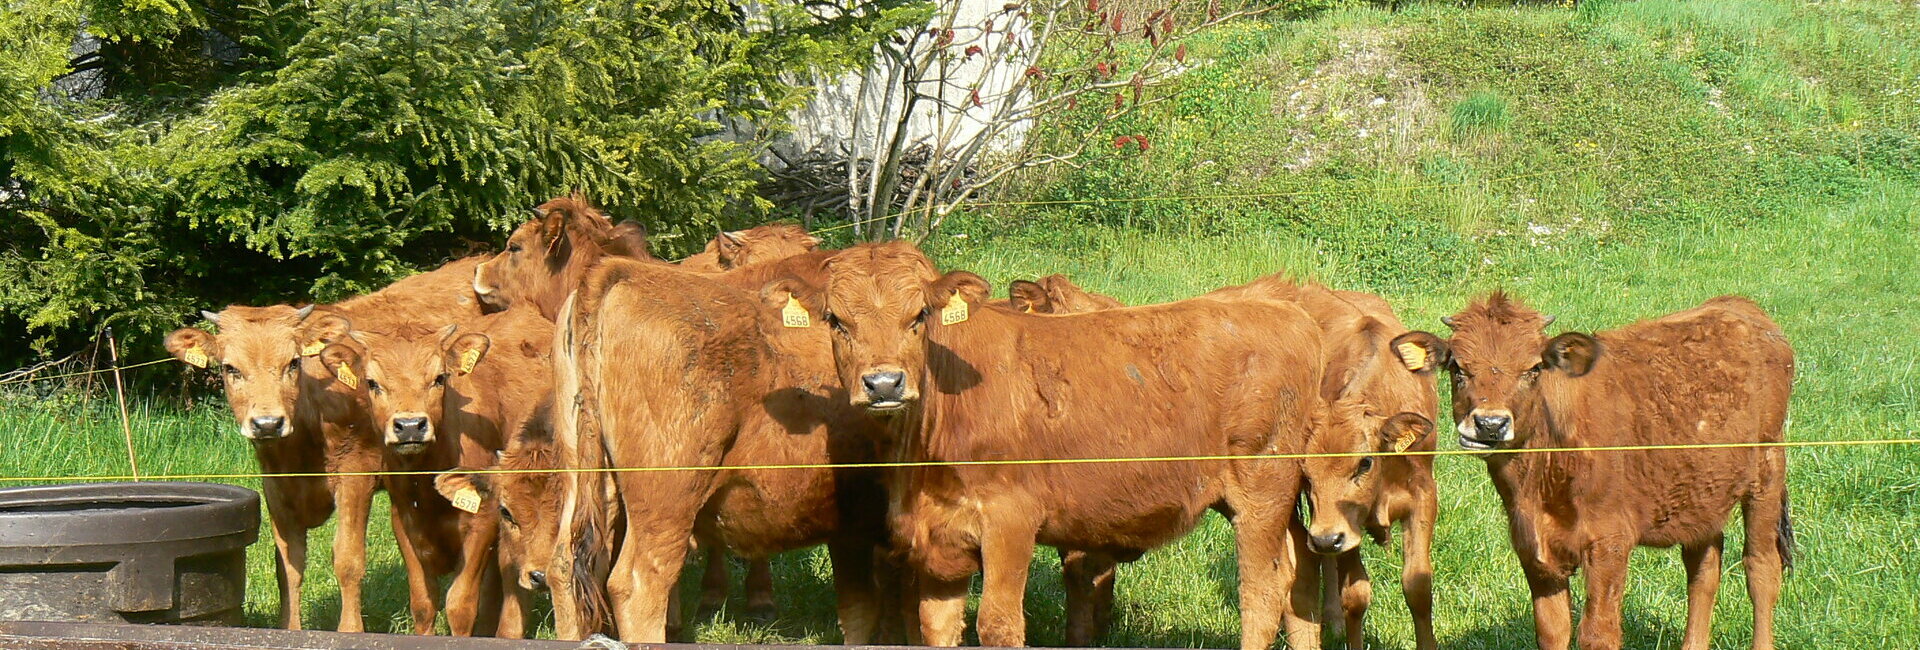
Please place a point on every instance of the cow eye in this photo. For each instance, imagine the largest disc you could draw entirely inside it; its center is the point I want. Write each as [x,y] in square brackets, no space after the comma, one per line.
[834,322]
[513,247]
[1366,465]
[921,318]
[373,386]
[231,372]
[507,516]
[293,366]
[440,380]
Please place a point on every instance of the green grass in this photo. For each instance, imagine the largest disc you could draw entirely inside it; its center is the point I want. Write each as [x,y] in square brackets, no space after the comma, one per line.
[1759,147]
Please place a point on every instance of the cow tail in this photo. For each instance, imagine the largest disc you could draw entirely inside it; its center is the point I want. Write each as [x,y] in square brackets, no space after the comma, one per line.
[583,544]
[1783,537]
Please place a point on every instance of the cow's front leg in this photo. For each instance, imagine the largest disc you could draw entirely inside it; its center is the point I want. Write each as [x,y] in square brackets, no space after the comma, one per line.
[1606,567]
[353,499]
[1006,551]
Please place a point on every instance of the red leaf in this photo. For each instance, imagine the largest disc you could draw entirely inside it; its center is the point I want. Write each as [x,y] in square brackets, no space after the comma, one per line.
[946,36]
[1035,72]
[1180,53]
[1122,141]
[1011,6]
[973,50]
[1118,26]
[1142,141]
[1166,24]
[976,98]
[1093,6]
[1073,103]
[1103,70]
[1119,101]
[1213,10]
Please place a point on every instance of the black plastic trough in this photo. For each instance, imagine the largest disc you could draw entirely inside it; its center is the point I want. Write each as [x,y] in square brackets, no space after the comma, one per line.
[126,552]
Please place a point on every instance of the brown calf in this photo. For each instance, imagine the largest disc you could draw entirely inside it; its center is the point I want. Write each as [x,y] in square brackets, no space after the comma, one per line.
[1374,404]
[545,258]
[958,383]
[757,245]
[667,368]
[437,406]
[1055,294]
[300,421]
[1717,373]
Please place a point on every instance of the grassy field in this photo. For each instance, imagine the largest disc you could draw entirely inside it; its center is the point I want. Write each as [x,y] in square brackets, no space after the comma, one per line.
[1610,164]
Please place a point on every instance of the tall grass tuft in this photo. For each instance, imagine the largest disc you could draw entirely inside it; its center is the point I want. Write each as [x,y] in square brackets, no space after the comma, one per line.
[1483,112]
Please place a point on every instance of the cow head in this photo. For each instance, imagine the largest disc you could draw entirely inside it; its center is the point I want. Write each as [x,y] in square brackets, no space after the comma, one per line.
[405,374]
[761,244]
[260,354]
[1055,294]
[527,499]
[1342,488]
[881,300]
[545,255]
[1496,356]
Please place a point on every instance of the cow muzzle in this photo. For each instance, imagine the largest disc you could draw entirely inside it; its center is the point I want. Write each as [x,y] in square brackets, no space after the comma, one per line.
[410,434]
[885,391]
[265,427]
[1332,543]
[1486,429]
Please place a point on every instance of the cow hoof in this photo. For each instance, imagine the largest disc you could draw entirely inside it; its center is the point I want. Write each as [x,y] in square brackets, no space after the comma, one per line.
[762,613]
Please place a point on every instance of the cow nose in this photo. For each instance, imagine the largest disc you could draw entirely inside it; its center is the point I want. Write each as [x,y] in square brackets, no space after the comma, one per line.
[268,426]
[1492,426]
[413,428]
[1329,543]
[538,578]
[884,386]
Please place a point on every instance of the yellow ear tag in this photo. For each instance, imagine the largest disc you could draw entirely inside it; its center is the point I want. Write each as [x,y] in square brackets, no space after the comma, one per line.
[793,315]
[1413,355]
[467,499]
[955,312]
[1405,440]
[469,359]
[344,373]
[313,348]
[196,356]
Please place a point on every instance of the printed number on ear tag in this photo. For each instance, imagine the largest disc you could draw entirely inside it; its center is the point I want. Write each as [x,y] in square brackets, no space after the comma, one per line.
[793,315]
[1405,440]
[344,373]
[467,499]
[468,360]
[955,311]
[1413,355]
[196,357]
[313,348]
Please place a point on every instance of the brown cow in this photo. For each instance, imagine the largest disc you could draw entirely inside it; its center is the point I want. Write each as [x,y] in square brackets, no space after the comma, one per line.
[1374,404]
[1363,386]
[1055,294]
[544,259]
[757,245]
[1717,373]
[301,421]
[527,501]
[954,383]
[438,405]
[717,383]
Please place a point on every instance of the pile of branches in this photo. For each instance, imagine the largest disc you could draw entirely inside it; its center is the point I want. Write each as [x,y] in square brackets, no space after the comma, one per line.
[817,184]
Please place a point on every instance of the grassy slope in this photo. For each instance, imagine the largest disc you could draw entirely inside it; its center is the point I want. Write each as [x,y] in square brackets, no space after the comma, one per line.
[1752,147]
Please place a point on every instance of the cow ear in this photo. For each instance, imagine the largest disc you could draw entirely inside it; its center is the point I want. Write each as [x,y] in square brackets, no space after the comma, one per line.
[553,229]
[466,351]
[343,363]
[967,285]
[194,347]
[1573,353]
[327,329]
[1028,297]
[776,295]
[1420,352]
[1404,431]
[629,239]
[730,241]
[455,482]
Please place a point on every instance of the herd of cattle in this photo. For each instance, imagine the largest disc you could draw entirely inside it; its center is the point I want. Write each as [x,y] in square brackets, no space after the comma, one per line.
[503,402]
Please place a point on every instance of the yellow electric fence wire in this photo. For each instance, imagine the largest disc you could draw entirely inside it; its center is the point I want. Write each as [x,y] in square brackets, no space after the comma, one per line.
[977,463]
